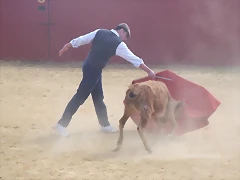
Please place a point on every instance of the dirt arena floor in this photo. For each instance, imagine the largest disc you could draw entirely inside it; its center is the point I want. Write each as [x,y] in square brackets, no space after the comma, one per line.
[33,97]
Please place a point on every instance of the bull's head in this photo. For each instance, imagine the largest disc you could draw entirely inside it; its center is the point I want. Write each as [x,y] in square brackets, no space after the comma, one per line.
[133,91]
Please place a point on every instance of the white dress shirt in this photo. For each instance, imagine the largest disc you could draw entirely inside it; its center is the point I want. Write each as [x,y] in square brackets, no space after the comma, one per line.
[122,49]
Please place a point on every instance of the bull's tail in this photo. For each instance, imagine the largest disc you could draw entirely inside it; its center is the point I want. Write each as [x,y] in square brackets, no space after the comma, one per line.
[180,104]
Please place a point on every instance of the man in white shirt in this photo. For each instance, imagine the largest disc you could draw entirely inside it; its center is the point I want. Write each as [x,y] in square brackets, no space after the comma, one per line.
[105,44]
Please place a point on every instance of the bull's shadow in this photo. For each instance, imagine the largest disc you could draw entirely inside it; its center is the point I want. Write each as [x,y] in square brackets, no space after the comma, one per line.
[95,143]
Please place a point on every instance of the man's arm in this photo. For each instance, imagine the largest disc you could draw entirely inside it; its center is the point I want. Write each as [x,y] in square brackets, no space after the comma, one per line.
[79,41]
[124,52]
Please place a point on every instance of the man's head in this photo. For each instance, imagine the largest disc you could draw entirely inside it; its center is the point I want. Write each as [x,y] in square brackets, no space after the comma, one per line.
[123,31]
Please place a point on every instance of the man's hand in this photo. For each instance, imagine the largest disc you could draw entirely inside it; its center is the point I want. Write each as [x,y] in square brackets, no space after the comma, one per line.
[65,48]
[62,50]
[152,74]
[148,71]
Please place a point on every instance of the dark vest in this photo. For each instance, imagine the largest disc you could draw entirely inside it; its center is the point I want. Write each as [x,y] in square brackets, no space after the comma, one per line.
[104,46]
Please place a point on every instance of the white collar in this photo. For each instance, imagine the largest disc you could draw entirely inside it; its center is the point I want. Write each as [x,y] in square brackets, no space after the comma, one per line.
[115,32]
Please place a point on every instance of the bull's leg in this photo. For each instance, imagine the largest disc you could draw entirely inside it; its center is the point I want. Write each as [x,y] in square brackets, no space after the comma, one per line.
[140,129]
[171,116]
[175,126]
[122,122]
[159,121]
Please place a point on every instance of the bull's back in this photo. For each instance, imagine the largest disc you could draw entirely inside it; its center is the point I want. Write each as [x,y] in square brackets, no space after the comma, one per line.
[158,88]
[156,93]
[161,95]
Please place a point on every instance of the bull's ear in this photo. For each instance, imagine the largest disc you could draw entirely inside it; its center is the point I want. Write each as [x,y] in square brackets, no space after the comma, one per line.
[136,89]
[132,95]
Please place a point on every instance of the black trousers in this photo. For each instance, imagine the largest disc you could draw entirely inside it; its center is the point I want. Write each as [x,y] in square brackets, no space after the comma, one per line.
[91,84]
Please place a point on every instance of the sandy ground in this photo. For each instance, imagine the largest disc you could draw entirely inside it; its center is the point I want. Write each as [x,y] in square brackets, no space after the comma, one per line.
[33,98]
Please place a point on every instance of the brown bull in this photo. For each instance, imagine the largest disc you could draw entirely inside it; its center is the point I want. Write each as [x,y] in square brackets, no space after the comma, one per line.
[151,99]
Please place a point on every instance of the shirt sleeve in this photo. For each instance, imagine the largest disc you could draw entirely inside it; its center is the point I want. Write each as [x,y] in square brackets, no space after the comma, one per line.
[124,52]
[84,39]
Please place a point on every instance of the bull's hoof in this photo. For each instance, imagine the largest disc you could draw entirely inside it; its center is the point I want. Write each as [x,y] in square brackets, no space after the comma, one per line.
[149,151]
[116,149]
[170,136]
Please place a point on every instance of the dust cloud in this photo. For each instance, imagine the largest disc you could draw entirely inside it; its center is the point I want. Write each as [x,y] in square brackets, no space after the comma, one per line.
[33,98]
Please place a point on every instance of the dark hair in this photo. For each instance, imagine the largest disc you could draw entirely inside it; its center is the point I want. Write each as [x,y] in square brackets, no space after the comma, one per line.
[125,27]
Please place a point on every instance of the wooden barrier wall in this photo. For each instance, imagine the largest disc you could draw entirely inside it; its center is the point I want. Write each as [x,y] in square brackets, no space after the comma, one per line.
[195,32]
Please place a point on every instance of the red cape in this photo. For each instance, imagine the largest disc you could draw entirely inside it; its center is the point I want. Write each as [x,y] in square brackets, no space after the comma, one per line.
[200,104]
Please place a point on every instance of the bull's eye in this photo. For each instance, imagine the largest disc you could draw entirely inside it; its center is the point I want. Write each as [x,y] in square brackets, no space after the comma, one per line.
[132,95]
